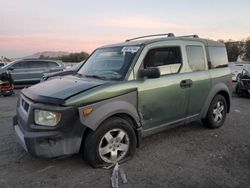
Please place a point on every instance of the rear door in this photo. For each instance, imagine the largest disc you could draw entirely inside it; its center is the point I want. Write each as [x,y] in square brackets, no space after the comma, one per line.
[37,69]
[199,74]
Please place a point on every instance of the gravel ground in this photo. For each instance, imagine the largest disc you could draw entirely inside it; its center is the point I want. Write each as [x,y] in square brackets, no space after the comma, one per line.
[187,156]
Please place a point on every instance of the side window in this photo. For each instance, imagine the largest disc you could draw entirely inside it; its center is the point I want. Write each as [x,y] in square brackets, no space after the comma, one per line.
[218,57]
[168,59]
[38,64]
[20,65]
[52,64]
[196,58]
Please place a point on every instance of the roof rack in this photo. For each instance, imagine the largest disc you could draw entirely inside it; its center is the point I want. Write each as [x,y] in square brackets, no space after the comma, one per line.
[194,36]
[156,35]
[164,34]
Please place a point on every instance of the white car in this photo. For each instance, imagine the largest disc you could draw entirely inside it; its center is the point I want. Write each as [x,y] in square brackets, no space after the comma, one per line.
[237,68]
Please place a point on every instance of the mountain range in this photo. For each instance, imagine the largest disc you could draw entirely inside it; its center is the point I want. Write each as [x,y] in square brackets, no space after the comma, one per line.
[48,54]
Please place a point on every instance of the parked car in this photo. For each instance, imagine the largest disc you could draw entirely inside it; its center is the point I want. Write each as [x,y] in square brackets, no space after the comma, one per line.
[6,84]
[242,87]
[28,71]
[125,92]
[236,69]
[69,71]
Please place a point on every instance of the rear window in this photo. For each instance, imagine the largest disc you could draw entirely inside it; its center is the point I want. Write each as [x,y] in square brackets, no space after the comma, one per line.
[38,64]
[218,57]
[52,64]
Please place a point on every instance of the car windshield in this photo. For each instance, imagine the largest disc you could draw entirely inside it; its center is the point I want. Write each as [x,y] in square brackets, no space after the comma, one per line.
[5,66]
[8,64]
[109,63]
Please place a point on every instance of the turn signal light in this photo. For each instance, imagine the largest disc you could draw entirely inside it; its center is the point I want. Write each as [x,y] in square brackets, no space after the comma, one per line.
[87,111]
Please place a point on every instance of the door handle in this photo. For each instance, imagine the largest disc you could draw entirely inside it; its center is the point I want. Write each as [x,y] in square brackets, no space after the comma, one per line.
[186,83]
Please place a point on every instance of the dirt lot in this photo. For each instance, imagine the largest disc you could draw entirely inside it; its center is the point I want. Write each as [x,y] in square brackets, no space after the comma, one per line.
[187,156]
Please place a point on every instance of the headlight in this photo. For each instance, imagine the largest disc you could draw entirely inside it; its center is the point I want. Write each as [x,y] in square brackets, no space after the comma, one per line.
[47,118]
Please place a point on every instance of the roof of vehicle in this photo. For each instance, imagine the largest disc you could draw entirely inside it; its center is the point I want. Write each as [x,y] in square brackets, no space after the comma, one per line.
[35,59]
[20,60]
[135,42]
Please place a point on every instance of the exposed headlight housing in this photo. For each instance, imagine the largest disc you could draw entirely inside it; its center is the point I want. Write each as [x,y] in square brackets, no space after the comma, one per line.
[46,118]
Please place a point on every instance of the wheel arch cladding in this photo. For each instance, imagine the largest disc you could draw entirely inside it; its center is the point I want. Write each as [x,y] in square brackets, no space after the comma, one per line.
[221,89]
[125,104]
[227,97]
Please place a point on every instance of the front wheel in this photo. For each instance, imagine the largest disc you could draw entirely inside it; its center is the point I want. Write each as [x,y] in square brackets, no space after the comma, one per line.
[114,141]
[7,93]
[217,112]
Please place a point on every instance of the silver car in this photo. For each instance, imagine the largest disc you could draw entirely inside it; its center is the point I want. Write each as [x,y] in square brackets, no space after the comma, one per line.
[236,69]
[28,71]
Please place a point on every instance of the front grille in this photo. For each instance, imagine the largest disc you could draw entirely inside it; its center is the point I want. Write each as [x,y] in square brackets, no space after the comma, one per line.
[25,105]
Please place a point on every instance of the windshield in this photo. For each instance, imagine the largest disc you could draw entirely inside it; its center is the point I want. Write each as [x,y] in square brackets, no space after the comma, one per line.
[109,63]
[8,64]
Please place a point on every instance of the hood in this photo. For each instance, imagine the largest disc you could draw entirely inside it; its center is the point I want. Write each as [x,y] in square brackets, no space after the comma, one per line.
[55,91]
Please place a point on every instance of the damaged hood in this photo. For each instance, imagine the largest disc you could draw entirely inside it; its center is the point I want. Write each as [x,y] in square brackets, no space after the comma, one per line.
[57,90]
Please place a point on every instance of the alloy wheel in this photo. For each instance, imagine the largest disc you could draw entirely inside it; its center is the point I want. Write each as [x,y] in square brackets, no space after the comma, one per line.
[218,112]
[114,145]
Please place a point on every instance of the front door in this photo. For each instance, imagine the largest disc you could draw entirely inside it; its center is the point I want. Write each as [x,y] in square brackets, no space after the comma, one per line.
[19,71]
[163,100]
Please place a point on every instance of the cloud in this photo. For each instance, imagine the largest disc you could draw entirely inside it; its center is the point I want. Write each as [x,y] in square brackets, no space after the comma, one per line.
[137,22]
[9,6]
[41,42]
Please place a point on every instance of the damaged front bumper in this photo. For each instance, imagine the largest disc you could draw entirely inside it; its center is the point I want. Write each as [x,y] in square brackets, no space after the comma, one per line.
[47,142]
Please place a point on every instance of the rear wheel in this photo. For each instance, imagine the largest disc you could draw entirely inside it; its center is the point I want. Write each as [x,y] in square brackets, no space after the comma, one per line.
[114,141]
[217,112]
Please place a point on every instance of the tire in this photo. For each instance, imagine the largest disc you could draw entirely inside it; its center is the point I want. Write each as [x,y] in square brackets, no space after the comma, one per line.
[116,137]
[217,112]
[6,94]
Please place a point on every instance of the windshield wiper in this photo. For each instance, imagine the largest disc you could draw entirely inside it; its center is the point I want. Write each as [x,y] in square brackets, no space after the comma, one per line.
[95,76]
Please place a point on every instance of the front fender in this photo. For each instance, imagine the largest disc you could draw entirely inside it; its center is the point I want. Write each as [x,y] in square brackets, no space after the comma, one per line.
[124,104]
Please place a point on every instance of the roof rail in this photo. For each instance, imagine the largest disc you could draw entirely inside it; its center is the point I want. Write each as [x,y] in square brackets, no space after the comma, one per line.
[156,35]
[194,36]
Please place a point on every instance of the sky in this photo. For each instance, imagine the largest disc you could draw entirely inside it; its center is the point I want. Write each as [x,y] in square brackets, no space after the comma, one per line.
[29,26]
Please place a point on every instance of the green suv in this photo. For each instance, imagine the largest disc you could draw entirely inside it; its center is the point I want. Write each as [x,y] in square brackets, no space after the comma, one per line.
[123,93]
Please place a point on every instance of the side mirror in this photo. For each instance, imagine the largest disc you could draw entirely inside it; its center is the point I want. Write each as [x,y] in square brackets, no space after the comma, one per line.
[150,72]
